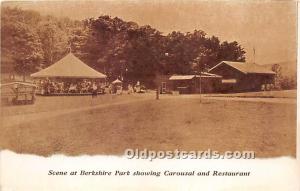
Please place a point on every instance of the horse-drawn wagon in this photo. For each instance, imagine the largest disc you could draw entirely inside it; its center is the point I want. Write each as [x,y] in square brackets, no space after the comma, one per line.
[18,93]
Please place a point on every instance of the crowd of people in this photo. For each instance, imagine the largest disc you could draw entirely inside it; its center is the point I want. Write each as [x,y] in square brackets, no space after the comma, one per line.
[50,87]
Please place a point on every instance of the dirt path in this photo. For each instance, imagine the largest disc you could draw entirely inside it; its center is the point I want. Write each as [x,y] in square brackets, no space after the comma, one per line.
[261,100]
[174,122]
[261,94]
[238,99]
[13,120]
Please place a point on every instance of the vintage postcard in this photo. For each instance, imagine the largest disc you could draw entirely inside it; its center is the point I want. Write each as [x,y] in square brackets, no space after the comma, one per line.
[152,95]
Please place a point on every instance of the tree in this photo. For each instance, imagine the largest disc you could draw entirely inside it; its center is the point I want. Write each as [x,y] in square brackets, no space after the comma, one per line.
[281,81]
[116,47]
[278,75]
[27,51]
[231,52]
[144,52]
[54,41]
[181,51]
[33,41]
[185,48]
[21,40]
[121,49]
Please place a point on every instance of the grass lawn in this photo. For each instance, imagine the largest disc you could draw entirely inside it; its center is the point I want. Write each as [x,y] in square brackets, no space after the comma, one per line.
[269,129]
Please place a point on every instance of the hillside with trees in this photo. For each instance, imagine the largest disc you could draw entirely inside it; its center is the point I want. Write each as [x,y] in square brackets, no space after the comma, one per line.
[118,48]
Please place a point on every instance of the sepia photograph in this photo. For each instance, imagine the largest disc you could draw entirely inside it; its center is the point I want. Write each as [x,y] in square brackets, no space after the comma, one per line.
[101,77]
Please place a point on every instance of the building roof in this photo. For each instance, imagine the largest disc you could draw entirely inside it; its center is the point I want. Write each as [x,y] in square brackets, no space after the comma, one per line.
[182,77]
[189,77]
[209,75]
[117,81]
[69,67]
[18,83]
[245,67]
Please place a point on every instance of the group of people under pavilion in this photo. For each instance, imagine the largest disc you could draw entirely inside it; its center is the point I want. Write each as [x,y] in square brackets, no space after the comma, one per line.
[71,76]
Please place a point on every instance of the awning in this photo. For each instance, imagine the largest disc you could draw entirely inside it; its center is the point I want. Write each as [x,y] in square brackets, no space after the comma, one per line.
[189,77]
[117,81]
[182,77]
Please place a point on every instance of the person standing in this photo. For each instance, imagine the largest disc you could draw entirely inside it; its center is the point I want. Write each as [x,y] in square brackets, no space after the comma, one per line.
[94,90]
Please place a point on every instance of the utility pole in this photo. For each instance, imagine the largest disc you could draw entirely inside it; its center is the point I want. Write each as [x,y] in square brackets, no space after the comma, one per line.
[254,55]
[166,54]
[200,87]
[157,92]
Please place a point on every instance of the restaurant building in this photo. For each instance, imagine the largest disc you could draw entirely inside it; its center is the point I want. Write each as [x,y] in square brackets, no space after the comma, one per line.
[242,77]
